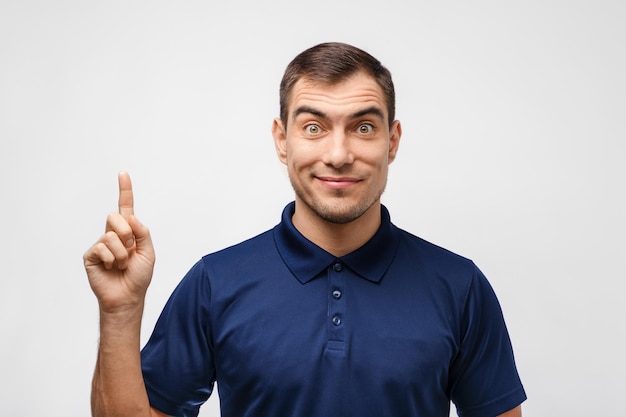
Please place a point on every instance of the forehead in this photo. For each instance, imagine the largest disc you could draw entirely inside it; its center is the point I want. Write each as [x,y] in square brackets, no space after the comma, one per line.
[357,91]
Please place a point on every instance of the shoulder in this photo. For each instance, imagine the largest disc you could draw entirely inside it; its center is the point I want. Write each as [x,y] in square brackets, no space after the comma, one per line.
[232,257]
[251,259]
[258,245]
[433,256]
[228,267]
[444,272]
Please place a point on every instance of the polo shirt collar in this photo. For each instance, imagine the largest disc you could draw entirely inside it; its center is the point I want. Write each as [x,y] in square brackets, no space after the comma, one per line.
[306,260]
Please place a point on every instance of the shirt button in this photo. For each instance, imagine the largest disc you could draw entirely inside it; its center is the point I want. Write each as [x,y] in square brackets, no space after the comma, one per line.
[336,320]
[336,294]
[337,267]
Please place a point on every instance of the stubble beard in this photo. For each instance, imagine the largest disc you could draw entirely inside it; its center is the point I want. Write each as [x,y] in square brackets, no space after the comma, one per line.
[337,211]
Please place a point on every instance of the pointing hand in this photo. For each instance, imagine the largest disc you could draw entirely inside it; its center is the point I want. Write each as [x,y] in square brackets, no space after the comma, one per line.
[120,264]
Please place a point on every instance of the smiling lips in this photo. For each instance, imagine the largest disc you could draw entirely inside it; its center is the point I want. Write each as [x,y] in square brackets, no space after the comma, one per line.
[338,182]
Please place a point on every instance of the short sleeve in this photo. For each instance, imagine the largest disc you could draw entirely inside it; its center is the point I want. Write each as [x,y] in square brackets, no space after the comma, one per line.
[484,378]
[177,361]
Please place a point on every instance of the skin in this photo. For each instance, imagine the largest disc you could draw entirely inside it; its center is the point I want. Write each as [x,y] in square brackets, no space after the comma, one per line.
[119,267]
[337,149]
[516,412]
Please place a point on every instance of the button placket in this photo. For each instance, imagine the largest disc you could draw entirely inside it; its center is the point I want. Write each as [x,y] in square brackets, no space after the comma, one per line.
[336,302]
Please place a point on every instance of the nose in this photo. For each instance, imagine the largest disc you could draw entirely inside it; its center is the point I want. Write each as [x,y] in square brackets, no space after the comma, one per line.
[338,151]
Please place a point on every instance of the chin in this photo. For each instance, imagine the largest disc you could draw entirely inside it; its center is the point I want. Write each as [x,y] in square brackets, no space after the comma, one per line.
[340,213]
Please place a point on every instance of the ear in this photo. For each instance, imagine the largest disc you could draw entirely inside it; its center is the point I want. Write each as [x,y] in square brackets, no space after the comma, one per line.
[280,140]
[395,133]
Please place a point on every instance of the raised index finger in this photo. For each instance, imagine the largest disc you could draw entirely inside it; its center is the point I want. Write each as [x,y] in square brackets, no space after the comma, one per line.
[125,202]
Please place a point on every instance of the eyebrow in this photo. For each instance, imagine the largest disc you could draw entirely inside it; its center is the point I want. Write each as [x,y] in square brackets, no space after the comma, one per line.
[373,110]
[310,110]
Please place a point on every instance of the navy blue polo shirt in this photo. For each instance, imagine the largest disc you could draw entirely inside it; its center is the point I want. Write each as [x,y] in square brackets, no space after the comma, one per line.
[397,328]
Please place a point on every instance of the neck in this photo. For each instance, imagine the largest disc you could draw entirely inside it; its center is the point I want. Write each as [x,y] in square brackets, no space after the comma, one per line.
[337,239]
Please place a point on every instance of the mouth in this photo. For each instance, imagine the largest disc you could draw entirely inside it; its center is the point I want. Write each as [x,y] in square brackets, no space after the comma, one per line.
[338,183]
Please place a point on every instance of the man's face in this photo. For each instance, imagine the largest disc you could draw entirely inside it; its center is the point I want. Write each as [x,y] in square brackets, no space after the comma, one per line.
[337,146]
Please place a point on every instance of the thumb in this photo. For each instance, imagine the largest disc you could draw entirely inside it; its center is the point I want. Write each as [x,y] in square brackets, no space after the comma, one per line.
[143,239]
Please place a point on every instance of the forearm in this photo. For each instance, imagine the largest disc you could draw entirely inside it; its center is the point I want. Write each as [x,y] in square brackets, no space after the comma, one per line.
[118,388]
[516,412]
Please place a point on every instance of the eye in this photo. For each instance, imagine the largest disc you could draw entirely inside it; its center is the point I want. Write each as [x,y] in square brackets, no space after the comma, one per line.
[313,129]
[365,128]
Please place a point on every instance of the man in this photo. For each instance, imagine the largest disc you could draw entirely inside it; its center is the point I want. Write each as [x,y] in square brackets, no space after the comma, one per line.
[334,312]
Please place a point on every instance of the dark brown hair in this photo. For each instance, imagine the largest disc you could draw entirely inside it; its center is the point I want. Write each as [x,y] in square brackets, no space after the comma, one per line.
[331,63]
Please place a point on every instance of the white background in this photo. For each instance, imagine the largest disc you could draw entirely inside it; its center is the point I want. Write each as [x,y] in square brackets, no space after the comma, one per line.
[513,155]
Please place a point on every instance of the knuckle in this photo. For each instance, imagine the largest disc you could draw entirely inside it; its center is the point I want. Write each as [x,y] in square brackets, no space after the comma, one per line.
[112,217]
[112,245]
[97,254]
[110,237]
